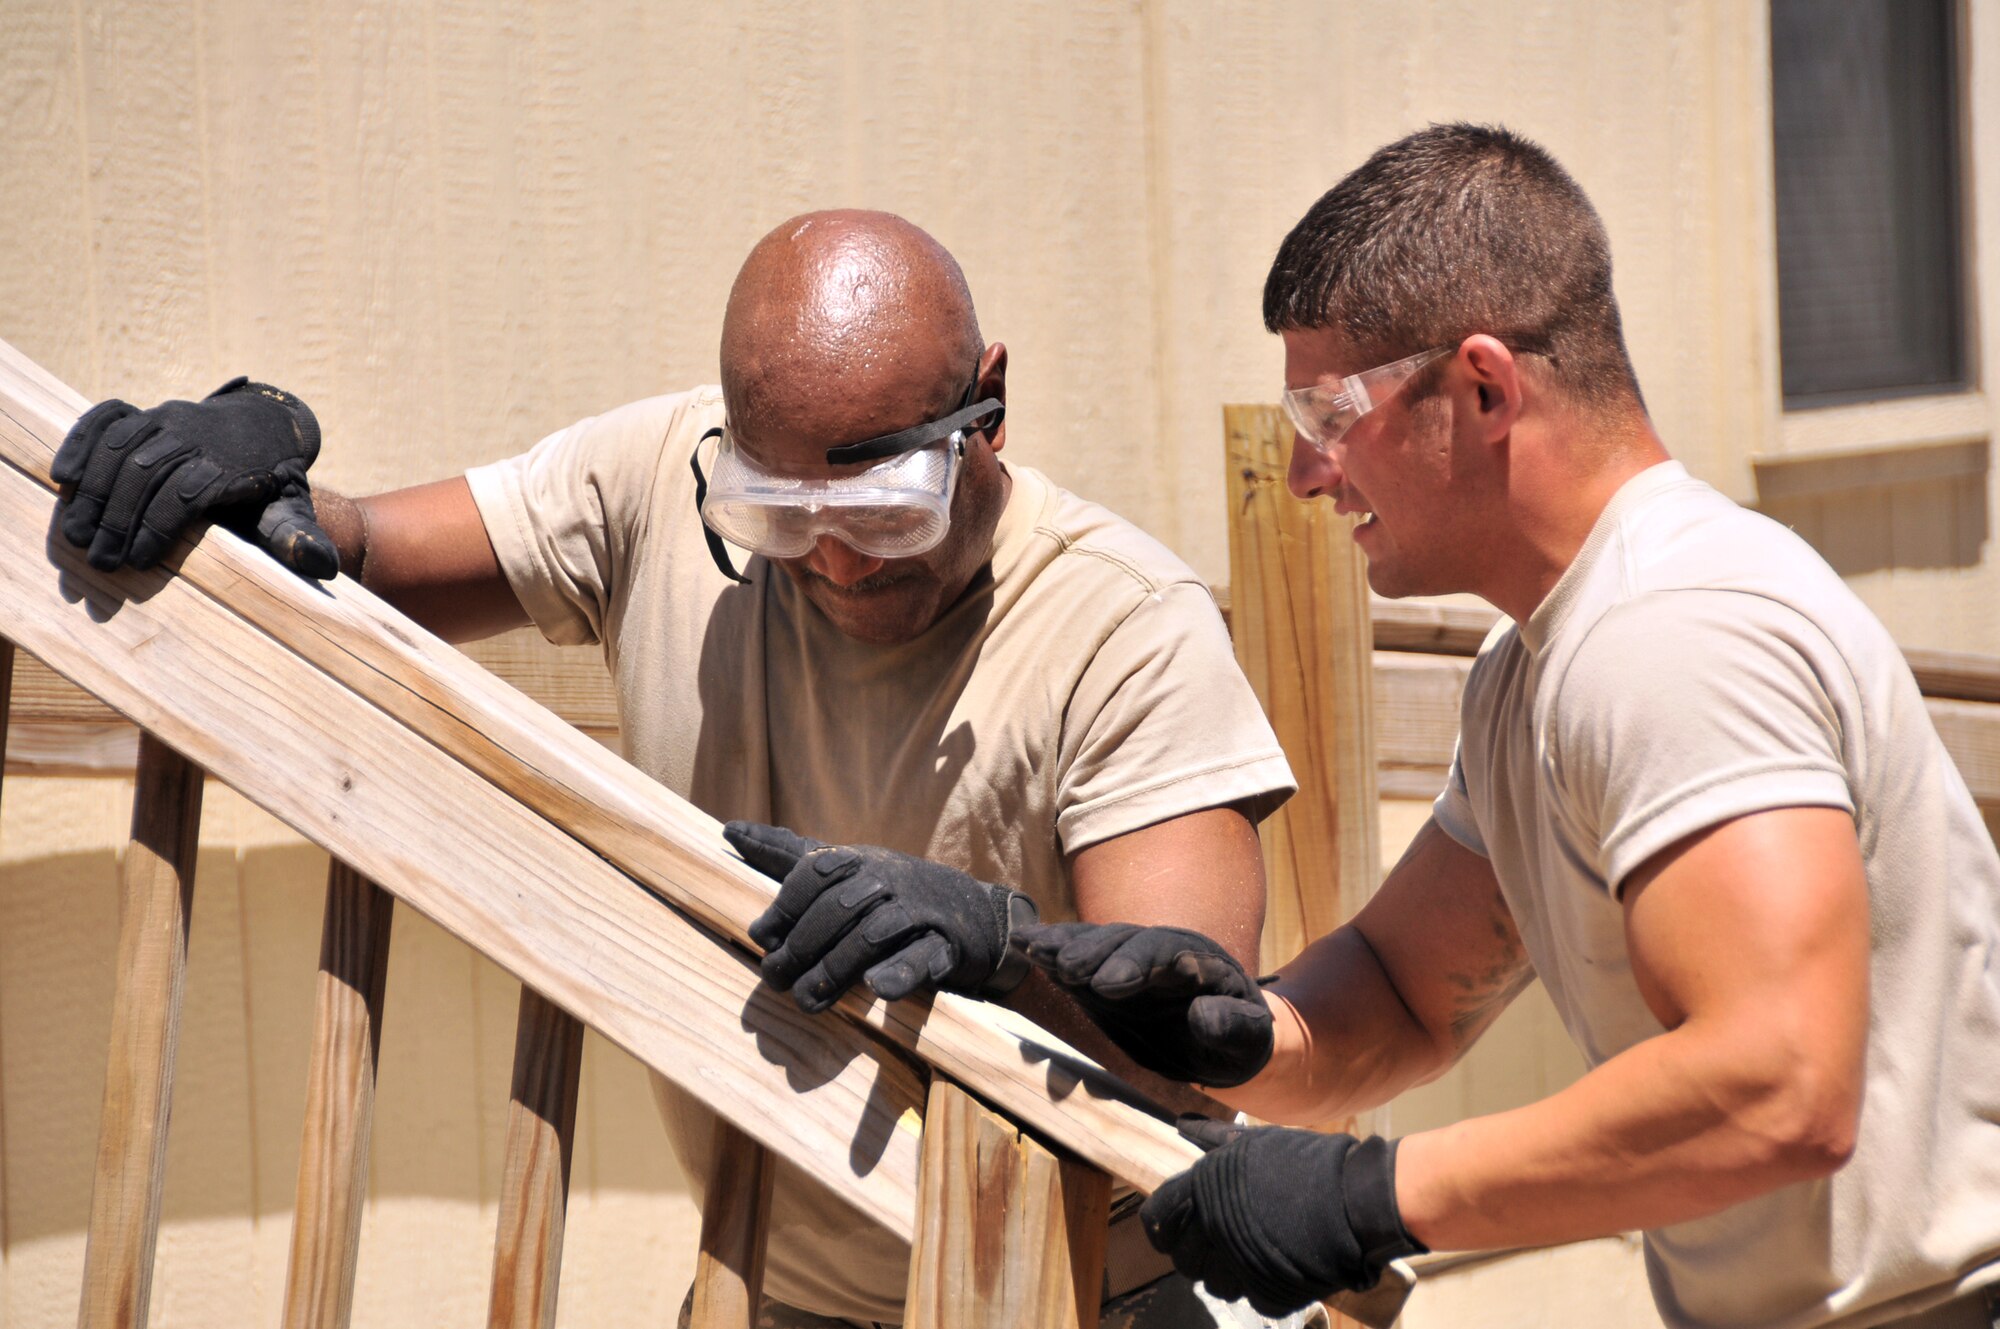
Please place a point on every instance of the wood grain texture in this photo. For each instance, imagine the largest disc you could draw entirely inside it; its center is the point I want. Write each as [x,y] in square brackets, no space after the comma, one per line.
[7,662]
[1416,720]
[1301,621]
[1010,1235]
[539,772]
[157,886]
[735,1224]
[1439,629]
[413,818]
[340,1101]
[534,1178]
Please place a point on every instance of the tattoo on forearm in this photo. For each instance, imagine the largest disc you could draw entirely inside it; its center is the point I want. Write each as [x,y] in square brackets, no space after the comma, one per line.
[1481,993]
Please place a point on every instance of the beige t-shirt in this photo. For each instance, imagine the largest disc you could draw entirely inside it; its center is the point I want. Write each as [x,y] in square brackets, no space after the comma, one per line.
[1699,662]
[1085,690]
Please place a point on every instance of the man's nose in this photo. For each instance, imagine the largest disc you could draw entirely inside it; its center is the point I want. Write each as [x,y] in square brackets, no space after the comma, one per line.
[841,563]
[1313,473]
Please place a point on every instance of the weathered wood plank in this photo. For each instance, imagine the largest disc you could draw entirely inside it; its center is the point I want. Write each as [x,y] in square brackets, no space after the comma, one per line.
[1009,1236]
[735,1222]
[1439,629]
[7,662]
[534,1181]
[546,770]
[414,819]
[157,886]
[340,1101]
[1416,720]
[1300,619]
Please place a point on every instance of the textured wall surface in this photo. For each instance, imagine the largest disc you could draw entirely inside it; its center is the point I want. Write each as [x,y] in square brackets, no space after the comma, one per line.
[456,226]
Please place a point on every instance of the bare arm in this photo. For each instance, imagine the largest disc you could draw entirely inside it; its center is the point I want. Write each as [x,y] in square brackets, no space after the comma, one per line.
[1749,942]
[1145,877]
[1393,998]
[425,550]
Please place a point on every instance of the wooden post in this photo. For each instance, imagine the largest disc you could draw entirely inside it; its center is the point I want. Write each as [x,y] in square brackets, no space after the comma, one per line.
[534,1180]
[1299,613]
[340,1101]
[1009,1235]
[735,1221]
[158,889]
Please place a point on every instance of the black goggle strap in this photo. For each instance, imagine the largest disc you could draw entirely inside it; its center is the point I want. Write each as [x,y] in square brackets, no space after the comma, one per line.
[918,436]
[716,549]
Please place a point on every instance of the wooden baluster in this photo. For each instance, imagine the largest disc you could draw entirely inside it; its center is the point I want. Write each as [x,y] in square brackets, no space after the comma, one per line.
[735,1221]
[1009,1234]
[534,1182]
[6,695]
[340,1101]
[6,705]
[157,889]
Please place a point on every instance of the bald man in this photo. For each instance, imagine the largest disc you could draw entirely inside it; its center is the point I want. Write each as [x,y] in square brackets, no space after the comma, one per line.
[827,604]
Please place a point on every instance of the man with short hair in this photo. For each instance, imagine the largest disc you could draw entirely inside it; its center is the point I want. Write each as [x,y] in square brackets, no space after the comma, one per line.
[1696,793]
[911,644]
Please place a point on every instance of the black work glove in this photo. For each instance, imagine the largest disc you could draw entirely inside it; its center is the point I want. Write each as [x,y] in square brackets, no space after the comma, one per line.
[858,911]
[1283,1217]
[239,456]
[1172,1000]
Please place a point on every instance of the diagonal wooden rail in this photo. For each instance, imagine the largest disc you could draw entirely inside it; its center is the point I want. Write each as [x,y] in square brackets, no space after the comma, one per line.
[436,785]
[429,778]
[338,646]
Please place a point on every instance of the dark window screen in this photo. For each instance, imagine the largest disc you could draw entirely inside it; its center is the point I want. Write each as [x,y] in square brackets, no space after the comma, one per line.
[1865,124]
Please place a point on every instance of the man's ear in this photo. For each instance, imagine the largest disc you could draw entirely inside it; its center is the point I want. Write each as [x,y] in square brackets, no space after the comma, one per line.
[1495,377]
[993,383]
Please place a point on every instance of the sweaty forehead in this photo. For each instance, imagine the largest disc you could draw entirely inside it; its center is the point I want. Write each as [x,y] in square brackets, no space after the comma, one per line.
[843,326]
[1317,355]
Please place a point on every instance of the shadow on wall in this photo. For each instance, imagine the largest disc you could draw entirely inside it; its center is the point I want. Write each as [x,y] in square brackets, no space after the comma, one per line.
[239,1100]
[1931,523]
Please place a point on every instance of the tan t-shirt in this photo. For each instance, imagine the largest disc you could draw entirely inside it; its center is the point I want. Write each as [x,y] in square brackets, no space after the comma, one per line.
[1699,662]
[1085,690]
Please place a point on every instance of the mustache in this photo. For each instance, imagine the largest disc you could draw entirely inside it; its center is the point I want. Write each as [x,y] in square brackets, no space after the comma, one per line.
[876,581]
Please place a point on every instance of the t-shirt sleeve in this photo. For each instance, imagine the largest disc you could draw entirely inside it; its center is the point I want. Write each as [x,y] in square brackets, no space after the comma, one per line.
[1683,709]
[1452,810]
[561,515]
[1163,723]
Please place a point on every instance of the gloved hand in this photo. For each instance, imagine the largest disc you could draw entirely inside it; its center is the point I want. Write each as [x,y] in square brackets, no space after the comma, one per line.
[859,911]
[238,456]
[1283,1217]
[1172,1000]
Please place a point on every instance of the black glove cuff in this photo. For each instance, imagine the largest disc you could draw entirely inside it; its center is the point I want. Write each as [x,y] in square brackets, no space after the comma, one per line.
[1013,910]
[1368,1191]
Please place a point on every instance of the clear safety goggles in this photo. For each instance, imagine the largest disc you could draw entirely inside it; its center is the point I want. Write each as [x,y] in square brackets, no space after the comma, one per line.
[1325,411]
[898,507]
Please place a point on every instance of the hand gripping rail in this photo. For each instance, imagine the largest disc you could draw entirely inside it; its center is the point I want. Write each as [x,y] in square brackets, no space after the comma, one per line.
[433,782]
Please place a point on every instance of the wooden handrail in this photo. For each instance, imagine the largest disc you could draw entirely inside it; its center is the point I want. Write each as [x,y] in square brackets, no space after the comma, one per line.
[490,815]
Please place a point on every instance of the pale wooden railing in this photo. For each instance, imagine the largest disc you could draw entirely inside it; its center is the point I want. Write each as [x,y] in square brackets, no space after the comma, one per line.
[433,784]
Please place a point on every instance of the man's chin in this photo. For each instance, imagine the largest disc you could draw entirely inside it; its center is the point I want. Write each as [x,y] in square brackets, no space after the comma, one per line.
[880,616]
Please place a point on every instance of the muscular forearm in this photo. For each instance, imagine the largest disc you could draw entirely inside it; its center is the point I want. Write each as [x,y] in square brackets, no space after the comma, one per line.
[1677,1127]
[426,552]
[1343,1040]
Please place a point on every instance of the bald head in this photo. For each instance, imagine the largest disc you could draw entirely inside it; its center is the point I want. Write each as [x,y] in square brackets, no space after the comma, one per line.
[857,322]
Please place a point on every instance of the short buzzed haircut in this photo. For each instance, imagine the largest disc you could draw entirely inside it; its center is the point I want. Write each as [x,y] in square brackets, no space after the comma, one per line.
[1454,230]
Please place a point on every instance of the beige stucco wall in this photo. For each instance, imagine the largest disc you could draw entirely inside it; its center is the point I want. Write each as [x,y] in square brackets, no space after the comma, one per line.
[455,226]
